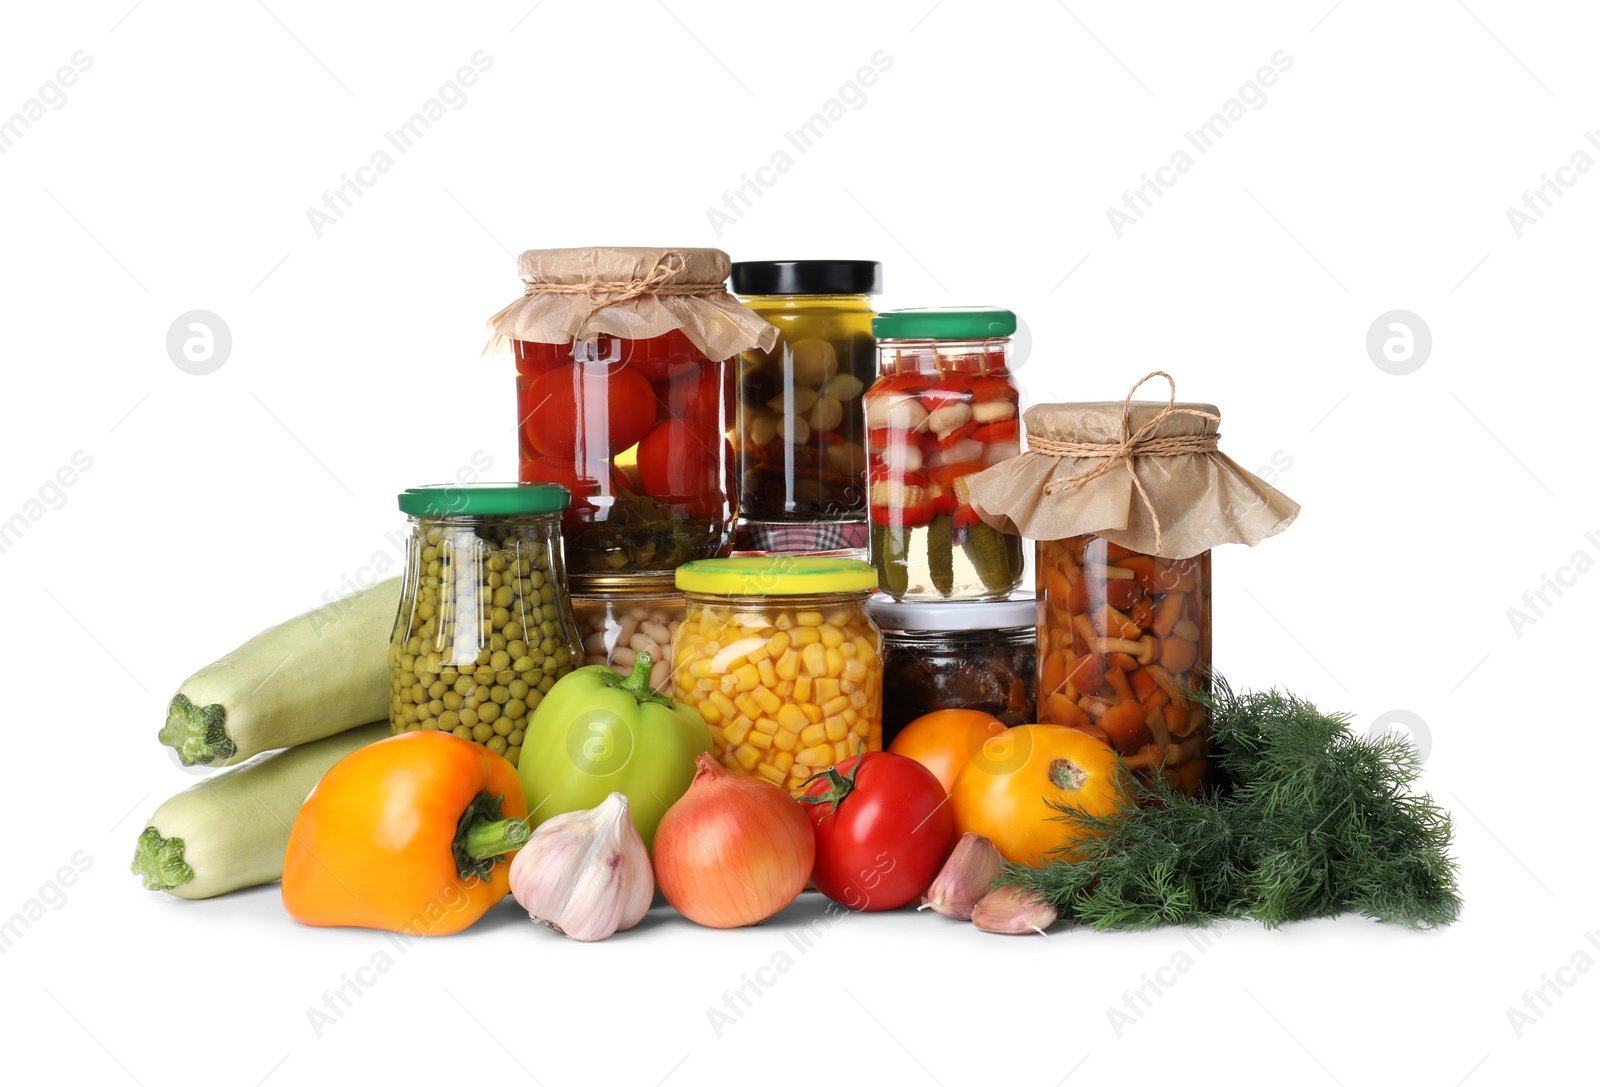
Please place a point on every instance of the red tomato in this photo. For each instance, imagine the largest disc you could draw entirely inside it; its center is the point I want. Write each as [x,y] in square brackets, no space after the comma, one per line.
[583,486]
[699,394]
[558,428]
[687,467]
[659,357]
[534,359]
[884,829]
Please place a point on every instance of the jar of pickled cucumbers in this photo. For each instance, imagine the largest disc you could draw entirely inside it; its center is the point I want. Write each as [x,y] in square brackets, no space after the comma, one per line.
[625,397]
[800,439]
[485,627]
[621,617]
[1126,500]
[944,406]
[781,658]
[957,655]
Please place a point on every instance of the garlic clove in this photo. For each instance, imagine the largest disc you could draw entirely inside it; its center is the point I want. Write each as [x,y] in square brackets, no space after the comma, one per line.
[965,878]
[586,874]
[1013,911]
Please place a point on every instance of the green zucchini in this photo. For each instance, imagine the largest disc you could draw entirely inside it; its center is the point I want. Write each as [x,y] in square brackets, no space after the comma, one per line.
[316,674]
[232,829]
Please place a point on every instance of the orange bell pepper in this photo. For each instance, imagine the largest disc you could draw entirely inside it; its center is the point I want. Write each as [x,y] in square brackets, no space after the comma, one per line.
[409,834]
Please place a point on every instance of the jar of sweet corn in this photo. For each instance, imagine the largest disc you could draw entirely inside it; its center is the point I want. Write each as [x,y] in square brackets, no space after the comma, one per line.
[780,657]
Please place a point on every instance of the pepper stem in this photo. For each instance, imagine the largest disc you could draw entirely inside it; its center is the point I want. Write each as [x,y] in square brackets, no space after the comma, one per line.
[483,836]
[637,682]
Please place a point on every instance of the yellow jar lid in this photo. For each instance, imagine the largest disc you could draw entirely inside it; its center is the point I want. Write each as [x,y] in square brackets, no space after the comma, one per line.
[776,575]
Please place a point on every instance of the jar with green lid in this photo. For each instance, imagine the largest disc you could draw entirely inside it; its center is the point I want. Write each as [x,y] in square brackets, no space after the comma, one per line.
[485,627]
[801,442]
[781,658]
[943,408]
[620,617]
[957,655]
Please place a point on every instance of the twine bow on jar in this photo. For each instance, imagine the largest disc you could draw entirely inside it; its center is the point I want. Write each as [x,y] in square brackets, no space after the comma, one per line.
[1132,445]
[600,293]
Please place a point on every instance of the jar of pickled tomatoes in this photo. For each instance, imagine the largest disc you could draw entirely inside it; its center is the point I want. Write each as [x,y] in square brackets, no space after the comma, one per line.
[800,437]
[781,658]
[625,397]
[944,406]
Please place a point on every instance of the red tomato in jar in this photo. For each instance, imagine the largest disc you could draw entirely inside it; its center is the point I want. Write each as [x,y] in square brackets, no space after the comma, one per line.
[884,829]
[700,394]
[688,467]
[660,357]
[582,413]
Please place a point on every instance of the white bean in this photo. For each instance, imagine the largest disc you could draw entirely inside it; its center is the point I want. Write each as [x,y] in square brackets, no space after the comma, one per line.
[657,631]
[660,675]
[643,643]
[622,658]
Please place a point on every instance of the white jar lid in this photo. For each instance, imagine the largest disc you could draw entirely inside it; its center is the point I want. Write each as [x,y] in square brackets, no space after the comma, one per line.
[1015,611]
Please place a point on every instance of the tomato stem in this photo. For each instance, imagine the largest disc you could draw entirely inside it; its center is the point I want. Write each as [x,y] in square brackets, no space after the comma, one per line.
[839,785]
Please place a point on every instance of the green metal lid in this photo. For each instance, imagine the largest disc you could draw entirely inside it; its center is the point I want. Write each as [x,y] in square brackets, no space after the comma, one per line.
[777,575]
[960,323]
[484,499]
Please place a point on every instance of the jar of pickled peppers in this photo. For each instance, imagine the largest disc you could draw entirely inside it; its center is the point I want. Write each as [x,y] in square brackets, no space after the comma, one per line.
[625,397]
[801,440]
[484,628]
[944,406]
[781,658]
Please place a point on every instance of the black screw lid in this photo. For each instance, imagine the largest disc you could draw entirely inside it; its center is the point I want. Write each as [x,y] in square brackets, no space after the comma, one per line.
[807,277]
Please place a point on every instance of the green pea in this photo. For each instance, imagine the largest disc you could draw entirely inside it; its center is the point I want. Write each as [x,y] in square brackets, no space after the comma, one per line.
[497,744]
[516,707]
[462,731]
[515,738]
[482,733]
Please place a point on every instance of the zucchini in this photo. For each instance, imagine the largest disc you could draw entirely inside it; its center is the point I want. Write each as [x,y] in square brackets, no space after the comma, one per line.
[316,674]
[232,829]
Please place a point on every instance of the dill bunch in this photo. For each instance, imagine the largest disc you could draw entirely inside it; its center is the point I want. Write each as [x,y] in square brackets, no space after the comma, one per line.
[1310,820]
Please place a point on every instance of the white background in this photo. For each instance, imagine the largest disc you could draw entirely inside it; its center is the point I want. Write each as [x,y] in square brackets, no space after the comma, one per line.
[978,168]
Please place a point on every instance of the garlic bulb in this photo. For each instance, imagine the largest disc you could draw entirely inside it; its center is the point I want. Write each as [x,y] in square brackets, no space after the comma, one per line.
[965,878]
[1012,911]
[586,874]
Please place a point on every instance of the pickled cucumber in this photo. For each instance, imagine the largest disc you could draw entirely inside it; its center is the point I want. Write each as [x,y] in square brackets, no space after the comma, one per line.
[889,553]
[995,555]
[941,555]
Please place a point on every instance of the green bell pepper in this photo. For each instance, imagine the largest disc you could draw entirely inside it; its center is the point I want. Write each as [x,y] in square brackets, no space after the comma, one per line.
[597,733]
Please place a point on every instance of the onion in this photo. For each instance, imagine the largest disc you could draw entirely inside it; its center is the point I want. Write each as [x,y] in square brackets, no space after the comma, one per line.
[733,850]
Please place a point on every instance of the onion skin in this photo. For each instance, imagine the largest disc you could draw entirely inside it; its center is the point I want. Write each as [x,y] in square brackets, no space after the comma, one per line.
[733,850]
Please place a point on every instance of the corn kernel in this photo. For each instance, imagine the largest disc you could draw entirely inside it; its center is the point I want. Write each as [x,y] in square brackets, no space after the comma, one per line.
[792,717]
[719,739]
[786,689]
[738,730]
[772,773]
[712,715]
[699,669]
[841,750]
[832,636]
[813,735]
[783,760]
[834,706]
[769,674]
[804,636]
[777,644]
[748,705]
[835,662]
[815,658]
[821,755]
[788,666]
[785,739]
[836,728]
[762,740]
[855,670]
[748,676]
[808,618]
[812,711]
[858,699]
[802,688]
[862,728]
[747,757]
[766,699]
[827,689]
[723,703]
[767,725]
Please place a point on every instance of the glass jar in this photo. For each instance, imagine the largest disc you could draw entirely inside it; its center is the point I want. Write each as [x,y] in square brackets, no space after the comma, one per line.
[636,430]
[1121,634]
[943,407]
[967,655]
[620,617]
[783,661]
[484,628]
[800,438]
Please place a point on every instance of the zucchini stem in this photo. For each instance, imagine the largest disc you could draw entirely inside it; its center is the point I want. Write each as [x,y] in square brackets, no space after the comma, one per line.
[197,733]
[159,861]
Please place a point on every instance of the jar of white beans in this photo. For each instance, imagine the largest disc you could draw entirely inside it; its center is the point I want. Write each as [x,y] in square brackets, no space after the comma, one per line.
[621,617]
